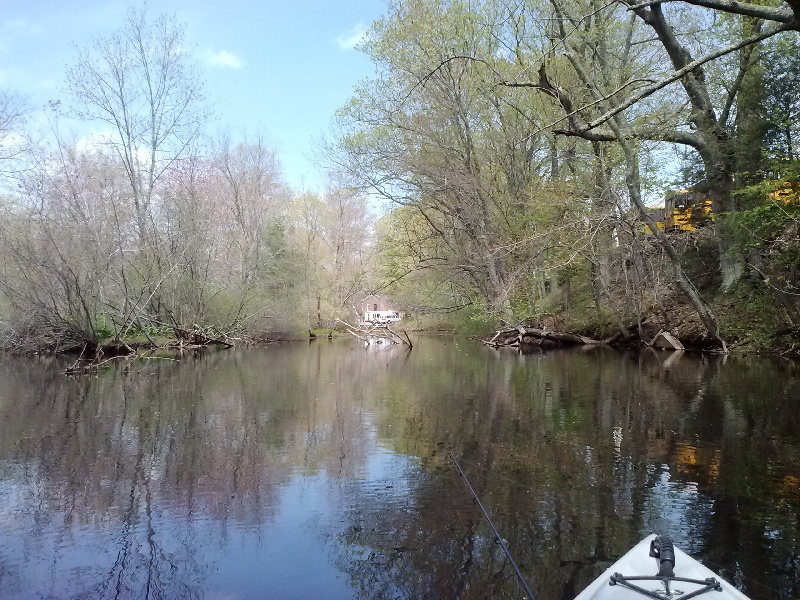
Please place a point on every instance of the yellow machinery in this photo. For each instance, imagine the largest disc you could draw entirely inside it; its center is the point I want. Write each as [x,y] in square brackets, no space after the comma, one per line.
[788,193]
[684,210]
[687,210]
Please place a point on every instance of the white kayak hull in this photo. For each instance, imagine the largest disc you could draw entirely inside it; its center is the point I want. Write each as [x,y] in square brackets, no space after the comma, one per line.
[639,562]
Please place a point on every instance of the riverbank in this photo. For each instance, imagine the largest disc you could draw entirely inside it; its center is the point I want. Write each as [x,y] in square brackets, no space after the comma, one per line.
[751,322]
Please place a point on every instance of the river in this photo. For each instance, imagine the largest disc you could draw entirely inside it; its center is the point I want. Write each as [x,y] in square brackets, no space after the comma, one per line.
[324,470]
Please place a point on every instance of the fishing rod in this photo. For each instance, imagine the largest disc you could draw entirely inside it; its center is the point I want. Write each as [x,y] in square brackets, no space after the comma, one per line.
[497,536]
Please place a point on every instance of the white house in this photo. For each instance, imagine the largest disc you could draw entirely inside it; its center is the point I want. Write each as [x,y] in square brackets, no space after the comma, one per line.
[377,309]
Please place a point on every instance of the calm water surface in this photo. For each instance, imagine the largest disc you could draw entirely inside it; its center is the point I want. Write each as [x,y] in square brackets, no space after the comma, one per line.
[324,471]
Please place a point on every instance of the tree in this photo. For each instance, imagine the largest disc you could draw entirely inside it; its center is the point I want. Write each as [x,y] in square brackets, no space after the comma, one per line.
[701,119]
[414,265]
[434,133]
[348,232]
[191,227]
[307,216]
[333,233]
[63,247]
[13,111]
[788,17]
[140,83]
[253,194]
[782,101]
[577,48]
[224,220]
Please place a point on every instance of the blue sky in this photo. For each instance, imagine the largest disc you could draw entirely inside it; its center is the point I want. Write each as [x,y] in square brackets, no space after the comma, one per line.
[280,67]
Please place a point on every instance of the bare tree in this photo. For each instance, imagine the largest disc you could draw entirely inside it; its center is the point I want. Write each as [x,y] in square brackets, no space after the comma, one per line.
[347,232]
[60,246]
[13,109]
[139,82]
[253,195]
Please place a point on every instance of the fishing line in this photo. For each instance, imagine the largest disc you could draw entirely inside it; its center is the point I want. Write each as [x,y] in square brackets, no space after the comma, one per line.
[497,536]
[717,567]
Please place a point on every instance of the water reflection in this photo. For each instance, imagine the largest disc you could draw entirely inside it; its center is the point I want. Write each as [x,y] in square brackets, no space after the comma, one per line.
[323,470]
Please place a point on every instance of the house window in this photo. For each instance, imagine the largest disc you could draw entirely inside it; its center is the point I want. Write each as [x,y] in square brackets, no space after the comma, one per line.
[374,307]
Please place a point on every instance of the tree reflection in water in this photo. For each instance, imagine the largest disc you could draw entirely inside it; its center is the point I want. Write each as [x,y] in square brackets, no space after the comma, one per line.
[323,470]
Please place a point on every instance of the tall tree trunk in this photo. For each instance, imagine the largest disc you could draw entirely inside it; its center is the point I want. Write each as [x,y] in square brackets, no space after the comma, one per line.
[633,183]
[713,141]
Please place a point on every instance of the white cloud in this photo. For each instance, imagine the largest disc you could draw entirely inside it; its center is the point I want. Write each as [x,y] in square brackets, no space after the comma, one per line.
[353,37]
[222,59]
[94,140]
[97,140]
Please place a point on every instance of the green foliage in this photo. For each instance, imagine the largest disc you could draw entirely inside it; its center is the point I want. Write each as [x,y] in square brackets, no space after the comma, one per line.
[764,223]
[691,171]
[459,155]
[751,317]
[104,328]
[148,329]
[475,320]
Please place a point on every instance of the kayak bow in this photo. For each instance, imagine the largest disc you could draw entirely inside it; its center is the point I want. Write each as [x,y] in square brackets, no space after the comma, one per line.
[678,576]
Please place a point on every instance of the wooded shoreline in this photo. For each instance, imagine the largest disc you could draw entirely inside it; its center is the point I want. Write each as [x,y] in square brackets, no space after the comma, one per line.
[648,197]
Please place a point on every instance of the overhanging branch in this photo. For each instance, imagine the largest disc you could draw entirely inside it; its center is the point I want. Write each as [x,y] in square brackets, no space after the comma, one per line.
[651,89]
[768,13]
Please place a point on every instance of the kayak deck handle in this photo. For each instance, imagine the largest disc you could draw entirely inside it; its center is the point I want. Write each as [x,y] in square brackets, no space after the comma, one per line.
[663,549]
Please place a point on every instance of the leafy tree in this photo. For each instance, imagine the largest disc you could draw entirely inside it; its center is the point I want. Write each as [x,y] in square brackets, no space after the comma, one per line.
[434,134]
[333,234]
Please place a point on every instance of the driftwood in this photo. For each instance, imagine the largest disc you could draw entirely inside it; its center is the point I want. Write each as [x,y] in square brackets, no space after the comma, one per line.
[530,336]
[186,339]
[198,336]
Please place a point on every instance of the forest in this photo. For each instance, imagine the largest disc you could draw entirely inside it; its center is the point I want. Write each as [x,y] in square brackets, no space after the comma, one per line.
[508,163]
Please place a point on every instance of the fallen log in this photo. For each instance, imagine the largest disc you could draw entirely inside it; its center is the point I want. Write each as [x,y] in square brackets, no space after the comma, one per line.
[199,336]
[530,336]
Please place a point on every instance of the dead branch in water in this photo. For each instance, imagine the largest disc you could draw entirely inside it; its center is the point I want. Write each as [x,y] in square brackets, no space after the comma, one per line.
[376,334]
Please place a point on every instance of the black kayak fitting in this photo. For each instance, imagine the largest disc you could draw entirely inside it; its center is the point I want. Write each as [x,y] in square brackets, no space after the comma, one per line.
[663,549]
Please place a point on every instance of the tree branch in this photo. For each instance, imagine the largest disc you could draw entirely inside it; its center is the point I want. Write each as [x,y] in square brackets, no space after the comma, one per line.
[680,73]
[768,13]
